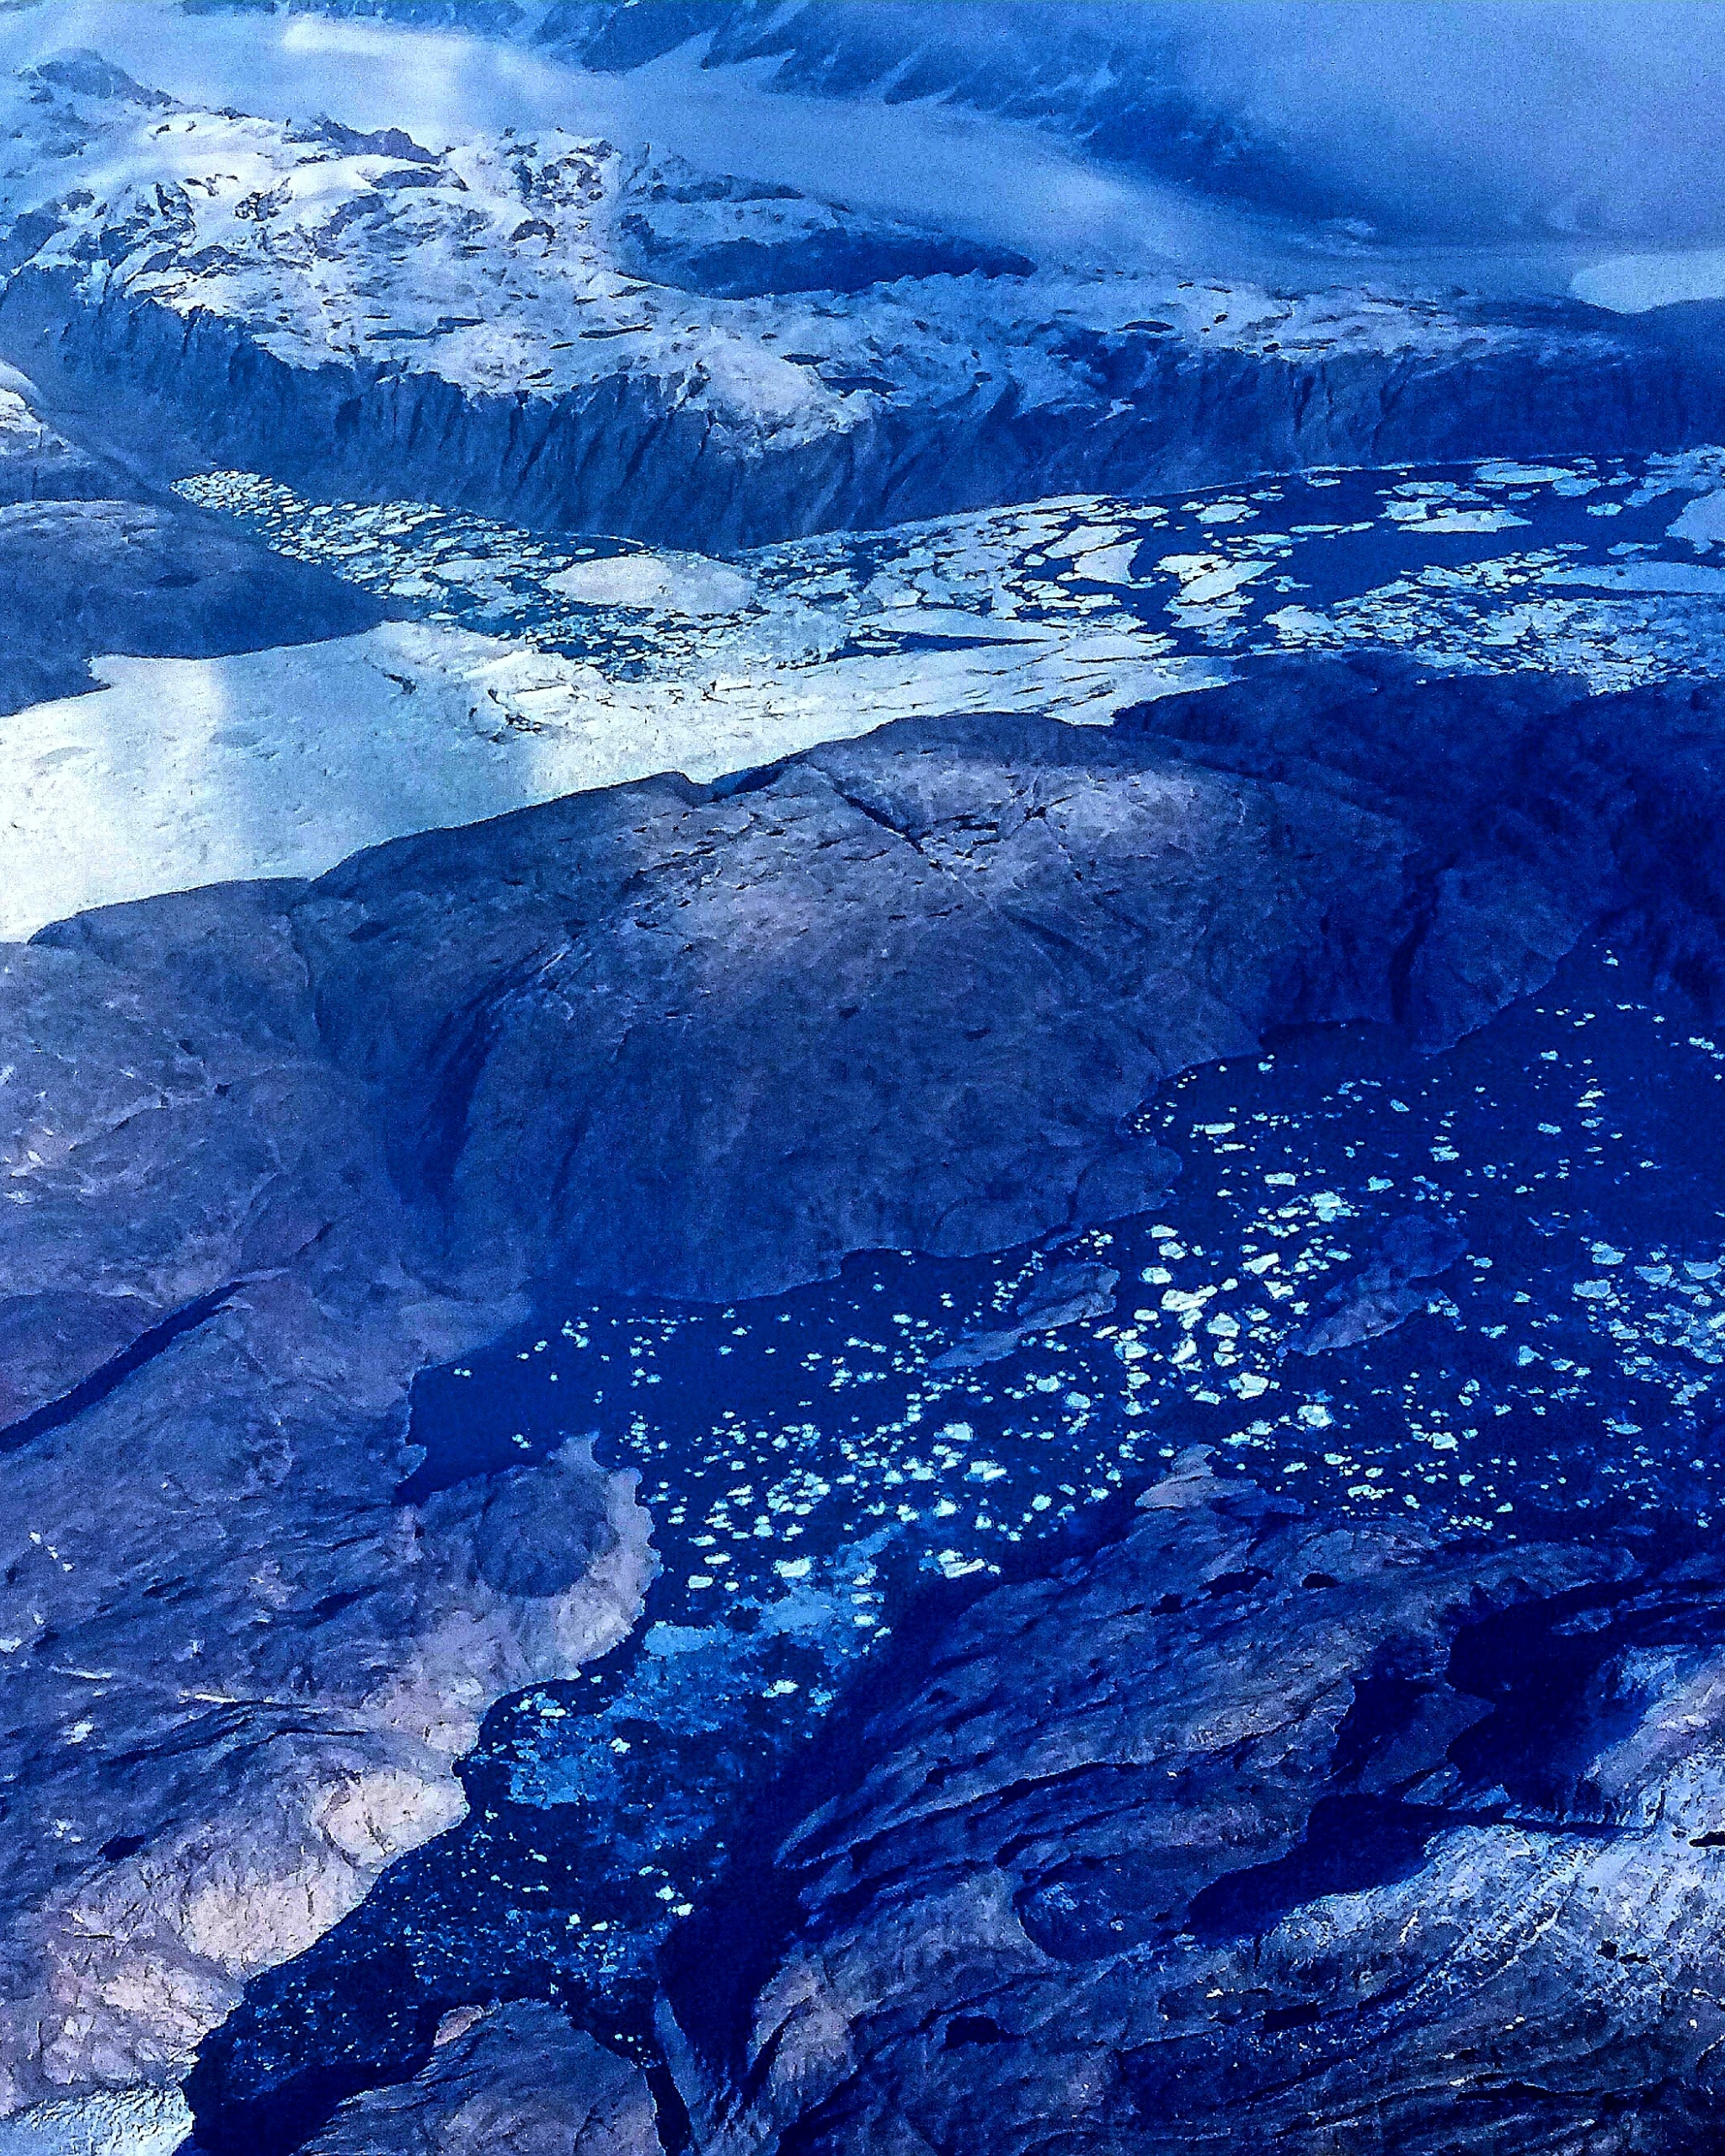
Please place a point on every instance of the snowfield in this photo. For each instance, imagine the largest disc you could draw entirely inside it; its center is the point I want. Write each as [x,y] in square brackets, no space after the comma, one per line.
[284,762]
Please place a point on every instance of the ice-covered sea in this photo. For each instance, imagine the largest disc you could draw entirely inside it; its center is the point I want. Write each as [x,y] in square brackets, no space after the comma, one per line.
[520,667]
[1603,566]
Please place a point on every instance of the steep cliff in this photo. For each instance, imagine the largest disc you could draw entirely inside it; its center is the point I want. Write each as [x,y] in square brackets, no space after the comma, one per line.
[548,328]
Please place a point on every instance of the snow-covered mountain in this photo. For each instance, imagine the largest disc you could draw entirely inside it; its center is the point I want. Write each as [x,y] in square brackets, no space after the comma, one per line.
[1492,117]
[548,327]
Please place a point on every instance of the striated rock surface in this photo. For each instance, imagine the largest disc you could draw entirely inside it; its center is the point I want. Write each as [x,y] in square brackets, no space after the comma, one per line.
[1248,1833]
[236,1675]
[517,2081]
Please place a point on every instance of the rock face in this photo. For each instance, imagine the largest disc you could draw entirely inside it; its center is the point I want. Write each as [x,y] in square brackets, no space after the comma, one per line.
[520,2082]
[37,462]
[634,452]
[236,1675]
[83,578]
[1248,1833]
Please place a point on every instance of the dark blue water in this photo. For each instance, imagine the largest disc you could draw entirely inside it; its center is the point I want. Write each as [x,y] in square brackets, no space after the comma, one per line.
[813,1476]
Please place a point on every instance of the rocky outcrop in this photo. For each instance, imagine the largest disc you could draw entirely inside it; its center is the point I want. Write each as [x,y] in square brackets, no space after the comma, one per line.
[742,239]
[236,1675]
[1398,1277]
[1252,1832]
[1065,1294]
[518,2081]
[911,991]
[83,578]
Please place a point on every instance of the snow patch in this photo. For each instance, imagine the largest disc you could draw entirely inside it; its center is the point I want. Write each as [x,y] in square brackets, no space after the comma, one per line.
[284,761]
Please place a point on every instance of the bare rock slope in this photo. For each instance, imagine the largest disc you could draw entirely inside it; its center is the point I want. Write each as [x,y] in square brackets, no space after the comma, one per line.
[520,2082]
[236,1675]
[1252,1833]
[272,1147]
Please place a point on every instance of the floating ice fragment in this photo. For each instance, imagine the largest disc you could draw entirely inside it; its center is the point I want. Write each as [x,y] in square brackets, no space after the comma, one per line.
[683,584]
[1702,522]
[955,1565]
[1415,516]
[1690,578]
[1497,473]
